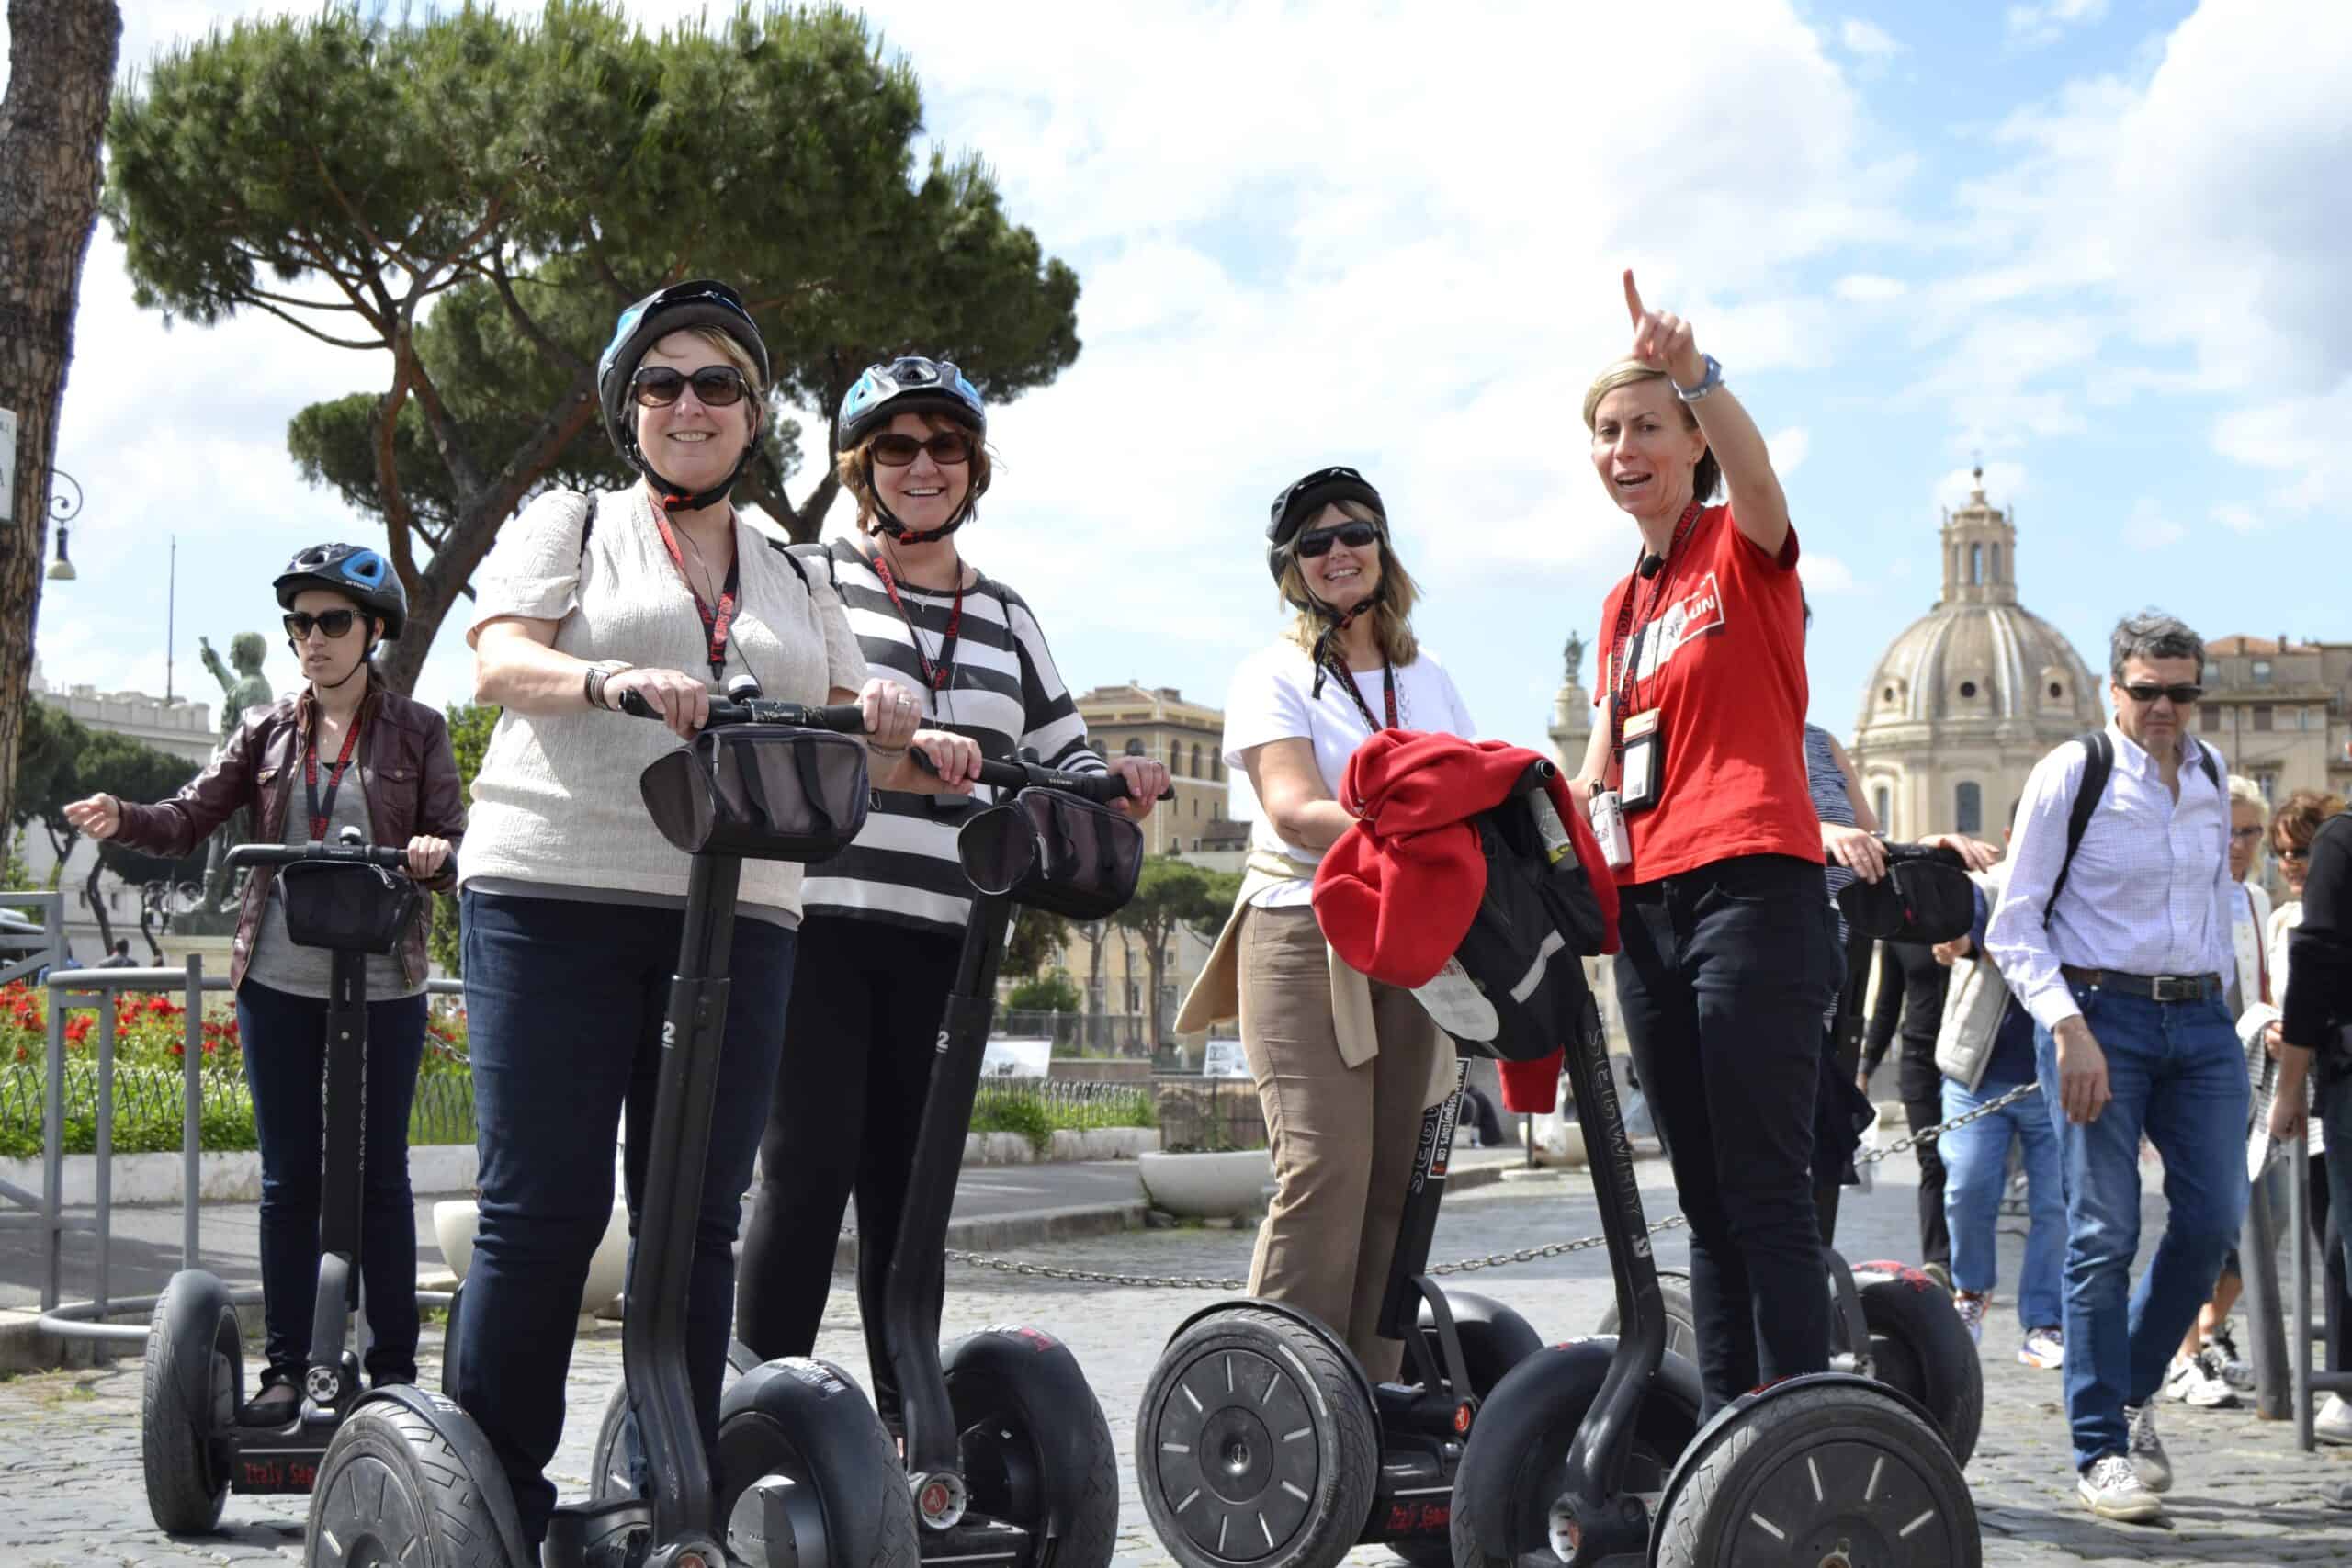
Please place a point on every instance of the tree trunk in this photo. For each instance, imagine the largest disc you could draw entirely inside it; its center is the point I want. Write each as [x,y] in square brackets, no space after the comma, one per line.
[1156,968]
[98,902]
[61,79]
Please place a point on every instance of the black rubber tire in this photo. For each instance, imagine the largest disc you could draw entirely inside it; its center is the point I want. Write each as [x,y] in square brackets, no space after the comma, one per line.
[392,1489]
[1682,1319]
[609,1472]
[1919,1347]
[1036,1450]
[804,1418]
[1510,1470]
[1494,1339]
[1893,1493]
[1244,1359]
[193,1382]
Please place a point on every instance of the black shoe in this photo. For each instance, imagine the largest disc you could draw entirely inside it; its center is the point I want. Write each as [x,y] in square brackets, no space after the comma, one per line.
[280,1400]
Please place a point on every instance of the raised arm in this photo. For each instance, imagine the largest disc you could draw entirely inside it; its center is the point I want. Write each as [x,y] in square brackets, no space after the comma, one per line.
[1664,340]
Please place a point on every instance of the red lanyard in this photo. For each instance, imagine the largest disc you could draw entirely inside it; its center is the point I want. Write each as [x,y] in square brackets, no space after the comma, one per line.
[716,624]
[1627,676]
[319,814]
[934,676]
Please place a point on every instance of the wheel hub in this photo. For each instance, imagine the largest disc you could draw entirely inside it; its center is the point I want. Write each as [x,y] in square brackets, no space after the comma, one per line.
[1237,1455]
[1839,1505]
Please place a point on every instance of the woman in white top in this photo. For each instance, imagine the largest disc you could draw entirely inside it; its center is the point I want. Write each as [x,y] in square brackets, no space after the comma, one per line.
[1343,1114]
[572,900]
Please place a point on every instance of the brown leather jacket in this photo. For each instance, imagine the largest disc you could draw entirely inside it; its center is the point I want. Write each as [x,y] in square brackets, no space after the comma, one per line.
[405,762]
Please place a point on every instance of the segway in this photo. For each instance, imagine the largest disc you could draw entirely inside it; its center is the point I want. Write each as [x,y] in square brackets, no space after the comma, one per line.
[809,1475]
[1262,1440]
[1590,1452]
[1009,1458]
[353,900]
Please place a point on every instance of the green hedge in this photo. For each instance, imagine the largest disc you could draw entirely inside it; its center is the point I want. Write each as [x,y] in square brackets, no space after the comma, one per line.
[148,1111]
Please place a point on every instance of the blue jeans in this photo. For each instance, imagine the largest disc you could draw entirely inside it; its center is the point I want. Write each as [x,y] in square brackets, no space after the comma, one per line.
[564,1003]
[1976,1170]
[283,1037]
[2177,1074]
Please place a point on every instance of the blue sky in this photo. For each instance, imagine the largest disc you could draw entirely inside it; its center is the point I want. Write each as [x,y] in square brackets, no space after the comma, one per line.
[2099,242]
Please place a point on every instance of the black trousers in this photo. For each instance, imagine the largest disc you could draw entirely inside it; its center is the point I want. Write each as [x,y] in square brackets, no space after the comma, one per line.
[1724,977]
[858,1047]
[1844,1046]
[1923,1105]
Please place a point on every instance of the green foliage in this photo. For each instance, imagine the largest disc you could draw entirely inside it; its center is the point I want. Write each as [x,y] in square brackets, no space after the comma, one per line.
[1038,938]
[1171,893]
[998,1112]
[1047,993]
[477,195]
[470,730]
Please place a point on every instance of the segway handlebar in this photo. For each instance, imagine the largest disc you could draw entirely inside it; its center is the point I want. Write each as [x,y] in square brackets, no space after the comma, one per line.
[846,718]
[349,852]
[1103,788]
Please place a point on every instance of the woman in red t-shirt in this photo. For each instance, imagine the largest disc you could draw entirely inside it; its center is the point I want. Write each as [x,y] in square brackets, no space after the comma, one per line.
[1698,763]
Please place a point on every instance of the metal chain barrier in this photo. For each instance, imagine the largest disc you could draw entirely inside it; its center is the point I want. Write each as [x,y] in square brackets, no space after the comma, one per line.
[1017,1266]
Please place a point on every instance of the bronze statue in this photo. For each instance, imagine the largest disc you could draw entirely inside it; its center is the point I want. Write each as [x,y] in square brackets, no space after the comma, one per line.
[246,690]
[1574,654]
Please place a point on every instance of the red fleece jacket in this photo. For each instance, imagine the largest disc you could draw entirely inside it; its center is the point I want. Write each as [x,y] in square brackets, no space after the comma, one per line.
[1397,893]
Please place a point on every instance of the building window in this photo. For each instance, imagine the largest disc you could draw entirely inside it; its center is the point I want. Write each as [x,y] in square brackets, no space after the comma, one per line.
[2262,671]
[1887,696]
[2209,718]
[2262,715]
[1976,565]
[1968,689]
[1197,761]
[1968,807]
[1996,563]
[2057,693]
[1135,748]
[1885,806]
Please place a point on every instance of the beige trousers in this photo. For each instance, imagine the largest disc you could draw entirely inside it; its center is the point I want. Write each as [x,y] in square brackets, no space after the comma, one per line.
[1343,1138]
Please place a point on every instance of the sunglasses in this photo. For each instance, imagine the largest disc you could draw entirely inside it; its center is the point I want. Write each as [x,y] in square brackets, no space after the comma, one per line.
[716,386]
[947,448]
[1355,534]
[334,623]
[2285,853]
[2181,695]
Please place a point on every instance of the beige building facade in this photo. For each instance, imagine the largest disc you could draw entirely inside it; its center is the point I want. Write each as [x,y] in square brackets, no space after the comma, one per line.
[2281,712]
[1157,722]
[1967,698]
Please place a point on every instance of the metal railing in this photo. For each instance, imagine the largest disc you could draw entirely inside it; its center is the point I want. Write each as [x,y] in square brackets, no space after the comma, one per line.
[44,1211]
[1117,1033]
[1068,1102]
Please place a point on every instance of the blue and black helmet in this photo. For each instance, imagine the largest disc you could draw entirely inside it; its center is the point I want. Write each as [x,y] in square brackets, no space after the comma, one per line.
[701,302]
[358,573]
[909,384]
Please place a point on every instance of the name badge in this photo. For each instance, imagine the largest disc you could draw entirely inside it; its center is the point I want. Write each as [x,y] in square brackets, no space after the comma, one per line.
[1643,773]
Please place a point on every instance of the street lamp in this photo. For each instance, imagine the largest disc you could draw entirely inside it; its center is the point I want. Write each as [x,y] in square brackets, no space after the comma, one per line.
[65,509]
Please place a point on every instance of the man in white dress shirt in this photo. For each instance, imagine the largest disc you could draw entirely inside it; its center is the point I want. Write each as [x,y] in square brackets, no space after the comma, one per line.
[2122,961]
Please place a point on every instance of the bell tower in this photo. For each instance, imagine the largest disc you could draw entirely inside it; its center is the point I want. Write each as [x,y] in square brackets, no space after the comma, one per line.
[1980,543]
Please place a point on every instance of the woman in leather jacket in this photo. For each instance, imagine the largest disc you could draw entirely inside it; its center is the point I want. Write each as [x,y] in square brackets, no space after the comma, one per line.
[340,752]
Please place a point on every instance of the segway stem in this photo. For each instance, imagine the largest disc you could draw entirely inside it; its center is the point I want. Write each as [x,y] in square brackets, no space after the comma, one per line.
[1416,1226]
[344,1178]
[653,1331]
[918,1259]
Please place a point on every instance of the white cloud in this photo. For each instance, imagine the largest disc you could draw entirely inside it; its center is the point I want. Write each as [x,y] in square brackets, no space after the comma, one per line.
[1827,576]
[2032,25]
[2237,519]
[1789,448]
[1867,39]
[2149,529]
[2300,440]
[1869,288]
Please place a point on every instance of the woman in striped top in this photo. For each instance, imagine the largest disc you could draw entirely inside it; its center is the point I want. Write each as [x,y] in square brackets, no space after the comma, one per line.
[884,920]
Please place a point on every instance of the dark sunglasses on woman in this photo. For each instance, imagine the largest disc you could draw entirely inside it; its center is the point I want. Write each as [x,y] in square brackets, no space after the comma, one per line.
[716,386]
[947,448]
[2288,852]
[334,623]
[1353,533]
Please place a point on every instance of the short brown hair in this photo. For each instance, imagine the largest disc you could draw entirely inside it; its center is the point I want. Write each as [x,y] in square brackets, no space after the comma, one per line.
[851,467]
[1706,474]
[2301,813]
[1392,619]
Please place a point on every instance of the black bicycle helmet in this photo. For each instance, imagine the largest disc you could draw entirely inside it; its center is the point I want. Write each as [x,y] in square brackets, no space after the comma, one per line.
[1302,498]
[910,384]
[357,572]
[702,302]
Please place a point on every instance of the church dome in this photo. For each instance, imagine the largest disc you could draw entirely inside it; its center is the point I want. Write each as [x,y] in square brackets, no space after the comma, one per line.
[1966,697]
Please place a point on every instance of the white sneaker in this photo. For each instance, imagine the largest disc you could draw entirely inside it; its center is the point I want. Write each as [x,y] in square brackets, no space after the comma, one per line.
[2148,1456]
[2043,1347]
[1970,1309]
[2112,1489]
[2334,1422]
[2194,1382]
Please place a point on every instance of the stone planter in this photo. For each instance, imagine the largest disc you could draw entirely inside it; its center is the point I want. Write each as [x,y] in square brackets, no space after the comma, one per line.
[1207,1186]
[455,1223]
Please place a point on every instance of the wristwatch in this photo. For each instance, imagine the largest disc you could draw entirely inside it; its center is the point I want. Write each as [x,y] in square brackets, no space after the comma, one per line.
[1707,383]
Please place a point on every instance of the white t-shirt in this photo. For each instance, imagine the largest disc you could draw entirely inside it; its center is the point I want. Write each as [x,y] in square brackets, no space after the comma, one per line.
[1270,700]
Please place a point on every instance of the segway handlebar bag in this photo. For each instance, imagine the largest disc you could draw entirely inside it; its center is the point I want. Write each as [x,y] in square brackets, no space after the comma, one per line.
[346,905]
[1054,851]
[762,792]
[1924,898]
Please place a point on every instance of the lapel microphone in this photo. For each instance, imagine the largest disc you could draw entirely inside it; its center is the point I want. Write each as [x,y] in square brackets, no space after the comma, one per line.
[1652,565]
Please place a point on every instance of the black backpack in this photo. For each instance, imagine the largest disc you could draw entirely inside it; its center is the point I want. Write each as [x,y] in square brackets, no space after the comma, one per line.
[1923,898]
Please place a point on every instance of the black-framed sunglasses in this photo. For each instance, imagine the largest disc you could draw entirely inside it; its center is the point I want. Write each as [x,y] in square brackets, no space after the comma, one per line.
[947,448]
[1355,534]
[716,386]
[2298,856]
[2181,696]
[334,623]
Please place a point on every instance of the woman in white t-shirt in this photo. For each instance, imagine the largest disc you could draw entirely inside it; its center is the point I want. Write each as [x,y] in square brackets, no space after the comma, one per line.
[1343,1103]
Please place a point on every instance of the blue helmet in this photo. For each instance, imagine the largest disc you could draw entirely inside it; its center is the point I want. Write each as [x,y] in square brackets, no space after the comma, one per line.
[357,572]
[909,384]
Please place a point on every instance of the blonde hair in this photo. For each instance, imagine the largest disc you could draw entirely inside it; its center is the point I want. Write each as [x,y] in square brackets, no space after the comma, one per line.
[1391,618]
[850,466]
[1706,474]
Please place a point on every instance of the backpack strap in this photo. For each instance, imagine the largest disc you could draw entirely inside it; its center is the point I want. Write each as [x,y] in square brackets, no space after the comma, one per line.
[791,554]
[2098,761]
[2212,772]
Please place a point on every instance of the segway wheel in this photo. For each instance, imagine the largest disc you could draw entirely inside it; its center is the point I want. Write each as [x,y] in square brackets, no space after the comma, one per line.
[802,1455]
[188,1392]
[1514,1466]
[1841,1472]
[393,1489]
[1919,1347]
[1257,1443]
[1037,1452]
[1682,1319]
[616,1468]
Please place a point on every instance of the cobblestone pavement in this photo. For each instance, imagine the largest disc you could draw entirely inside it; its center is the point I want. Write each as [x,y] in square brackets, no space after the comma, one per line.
[71,1489]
